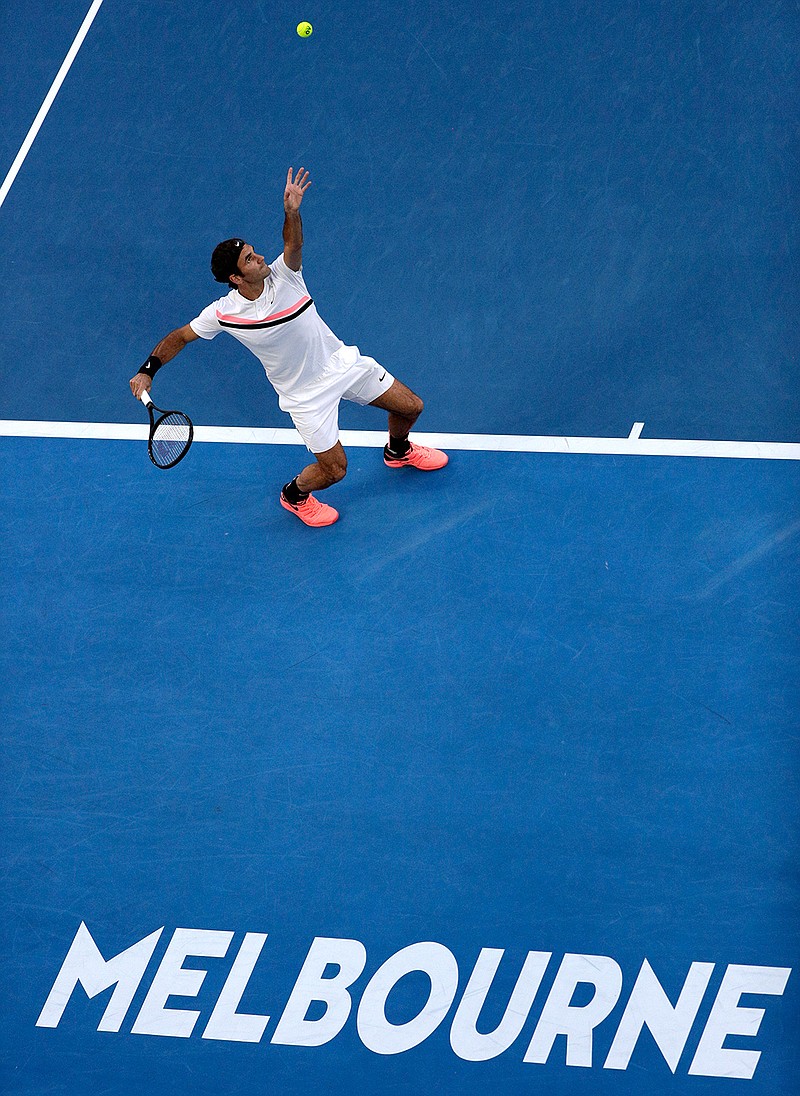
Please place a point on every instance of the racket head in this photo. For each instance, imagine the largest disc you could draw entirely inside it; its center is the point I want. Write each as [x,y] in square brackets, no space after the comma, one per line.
[171,435]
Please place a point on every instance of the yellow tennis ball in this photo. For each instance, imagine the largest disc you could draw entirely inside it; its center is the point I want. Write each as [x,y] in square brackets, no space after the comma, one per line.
[304,29]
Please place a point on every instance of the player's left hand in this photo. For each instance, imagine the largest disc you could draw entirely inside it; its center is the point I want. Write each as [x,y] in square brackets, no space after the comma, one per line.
[295,189]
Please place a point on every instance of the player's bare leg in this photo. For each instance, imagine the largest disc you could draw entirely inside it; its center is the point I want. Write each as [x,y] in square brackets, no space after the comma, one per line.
[330,467]
[405,407]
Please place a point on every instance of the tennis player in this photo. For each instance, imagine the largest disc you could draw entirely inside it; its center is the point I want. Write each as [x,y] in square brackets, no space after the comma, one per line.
[270,311]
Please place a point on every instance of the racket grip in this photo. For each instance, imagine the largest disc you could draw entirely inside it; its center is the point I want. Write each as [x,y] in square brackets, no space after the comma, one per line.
[145,398]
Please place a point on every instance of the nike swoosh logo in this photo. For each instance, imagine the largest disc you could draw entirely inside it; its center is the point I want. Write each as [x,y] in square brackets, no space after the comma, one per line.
[381,378]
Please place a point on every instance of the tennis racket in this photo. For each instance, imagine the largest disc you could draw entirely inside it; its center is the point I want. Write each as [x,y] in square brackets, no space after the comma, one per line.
[171,434]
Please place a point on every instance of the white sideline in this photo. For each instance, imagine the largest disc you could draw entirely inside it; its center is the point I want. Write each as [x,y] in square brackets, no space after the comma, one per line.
[66,65]
[632,446]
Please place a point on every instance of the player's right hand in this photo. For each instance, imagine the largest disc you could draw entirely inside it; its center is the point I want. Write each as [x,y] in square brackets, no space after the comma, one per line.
[141,383]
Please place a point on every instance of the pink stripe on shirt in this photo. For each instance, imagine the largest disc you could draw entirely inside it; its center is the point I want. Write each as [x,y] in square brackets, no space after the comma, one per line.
[275,315]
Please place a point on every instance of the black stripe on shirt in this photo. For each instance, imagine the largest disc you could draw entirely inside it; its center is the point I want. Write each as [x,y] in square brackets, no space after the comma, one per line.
[266,323]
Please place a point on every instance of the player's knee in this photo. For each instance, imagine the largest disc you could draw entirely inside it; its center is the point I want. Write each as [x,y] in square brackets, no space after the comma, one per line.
[335,469]
[417,406]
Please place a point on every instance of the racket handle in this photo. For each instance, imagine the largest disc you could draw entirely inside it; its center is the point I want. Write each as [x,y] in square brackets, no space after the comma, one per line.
[145,398]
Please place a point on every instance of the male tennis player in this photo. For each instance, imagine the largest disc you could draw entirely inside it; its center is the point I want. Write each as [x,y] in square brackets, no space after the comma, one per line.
[269,310]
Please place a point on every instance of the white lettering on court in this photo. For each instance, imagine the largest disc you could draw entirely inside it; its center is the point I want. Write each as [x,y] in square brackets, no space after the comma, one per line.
[332,967]
[649,1006]
[172,979]
[226,1022]
[465,1039]
[375,1031]
[85,965]
[577,1022]
[712,1059]
[293,1029]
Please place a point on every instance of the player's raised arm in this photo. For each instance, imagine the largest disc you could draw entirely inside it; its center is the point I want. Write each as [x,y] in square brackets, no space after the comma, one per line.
[292,225]
[169,346]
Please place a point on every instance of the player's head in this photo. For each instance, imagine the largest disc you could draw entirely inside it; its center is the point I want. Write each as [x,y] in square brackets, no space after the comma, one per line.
[225,260]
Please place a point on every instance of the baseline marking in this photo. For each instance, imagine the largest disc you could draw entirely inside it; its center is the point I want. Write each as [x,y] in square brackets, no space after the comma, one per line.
[49,99]
[633,445]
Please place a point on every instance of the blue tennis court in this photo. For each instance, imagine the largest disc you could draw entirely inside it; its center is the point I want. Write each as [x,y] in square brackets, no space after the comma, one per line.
[492,785]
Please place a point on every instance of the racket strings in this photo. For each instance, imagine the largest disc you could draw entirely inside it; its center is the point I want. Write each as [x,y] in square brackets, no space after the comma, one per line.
[171,438]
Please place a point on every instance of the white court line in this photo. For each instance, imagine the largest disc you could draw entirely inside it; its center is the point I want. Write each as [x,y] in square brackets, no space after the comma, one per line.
[49,98]
[632,446]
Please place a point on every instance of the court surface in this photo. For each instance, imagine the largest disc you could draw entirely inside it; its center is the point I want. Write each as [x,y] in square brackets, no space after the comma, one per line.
[275,800]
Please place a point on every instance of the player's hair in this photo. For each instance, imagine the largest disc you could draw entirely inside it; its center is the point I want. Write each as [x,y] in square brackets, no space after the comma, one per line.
[225,259]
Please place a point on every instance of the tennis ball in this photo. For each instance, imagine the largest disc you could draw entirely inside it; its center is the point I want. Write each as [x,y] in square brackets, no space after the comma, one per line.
[304,29]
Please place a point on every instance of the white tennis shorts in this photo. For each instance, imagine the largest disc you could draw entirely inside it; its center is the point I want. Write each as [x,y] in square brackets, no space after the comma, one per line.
[349,375]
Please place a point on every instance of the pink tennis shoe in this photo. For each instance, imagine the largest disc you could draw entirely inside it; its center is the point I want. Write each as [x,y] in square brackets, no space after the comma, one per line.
[418,456]
[311,511]
[316,514]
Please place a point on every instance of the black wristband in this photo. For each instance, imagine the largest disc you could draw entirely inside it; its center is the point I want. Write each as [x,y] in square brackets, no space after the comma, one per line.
[151,366]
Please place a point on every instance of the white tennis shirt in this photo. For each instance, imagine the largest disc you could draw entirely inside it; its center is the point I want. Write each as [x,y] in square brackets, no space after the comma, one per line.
[281,327]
